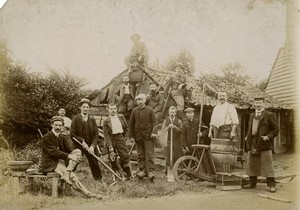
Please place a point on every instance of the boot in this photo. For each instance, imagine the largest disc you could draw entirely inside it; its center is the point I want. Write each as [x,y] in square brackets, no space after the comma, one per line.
[127,170]
[141,174]
[252,183]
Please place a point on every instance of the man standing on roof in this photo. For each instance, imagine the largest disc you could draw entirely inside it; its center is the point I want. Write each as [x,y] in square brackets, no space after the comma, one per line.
[85,130]
[262,130]
[155,100]
[224,119]
[177,83]
[138,54]
[67,121]
[190,131]
[142,122]
[125,94]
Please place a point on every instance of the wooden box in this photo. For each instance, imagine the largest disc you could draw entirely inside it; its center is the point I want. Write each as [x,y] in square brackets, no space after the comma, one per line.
[227,181]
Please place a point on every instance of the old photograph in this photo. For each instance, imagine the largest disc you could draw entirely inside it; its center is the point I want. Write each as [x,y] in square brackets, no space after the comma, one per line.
[149,104]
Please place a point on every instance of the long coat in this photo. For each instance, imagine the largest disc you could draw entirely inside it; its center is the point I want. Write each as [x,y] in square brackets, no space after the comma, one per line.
[267,126]
[107,128]
[176,141]
[190,131]
[142,122]
[77,129]
[53,149]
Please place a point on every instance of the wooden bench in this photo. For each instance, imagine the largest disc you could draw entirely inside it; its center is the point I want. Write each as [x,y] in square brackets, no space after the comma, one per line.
[19,188]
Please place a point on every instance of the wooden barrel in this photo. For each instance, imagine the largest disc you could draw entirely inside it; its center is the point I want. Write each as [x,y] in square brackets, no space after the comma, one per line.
[224,153]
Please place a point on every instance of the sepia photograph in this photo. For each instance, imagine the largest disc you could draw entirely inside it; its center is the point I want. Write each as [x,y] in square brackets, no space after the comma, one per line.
[149,104]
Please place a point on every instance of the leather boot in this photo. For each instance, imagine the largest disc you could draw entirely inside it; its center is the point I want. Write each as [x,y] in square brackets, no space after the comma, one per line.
[252,183]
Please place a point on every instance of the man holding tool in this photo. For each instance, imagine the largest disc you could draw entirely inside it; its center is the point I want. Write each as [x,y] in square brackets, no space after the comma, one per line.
[115,128]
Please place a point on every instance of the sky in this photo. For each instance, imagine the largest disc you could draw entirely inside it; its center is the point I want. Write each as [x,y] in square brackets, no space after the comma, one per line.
[91,39]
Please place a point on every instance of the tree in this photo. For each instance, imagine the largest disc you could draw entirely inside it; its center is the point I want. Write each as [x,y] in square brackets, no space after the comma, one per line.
[184,57]
[29,100]
[262,85]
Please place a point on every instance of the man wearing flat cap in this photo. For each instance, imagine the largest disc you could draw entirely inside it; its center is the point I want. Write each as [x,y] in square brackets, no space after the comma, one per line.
[59,155]
[84,129]
[262,130]
[138,54]
[177,83]
[142,122]
[124,94]
[190,131]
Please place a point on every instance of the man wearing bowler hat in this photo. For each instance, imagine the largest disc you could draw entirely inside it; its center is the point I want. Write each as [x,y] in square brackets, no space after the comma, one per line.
[262,130]
[84,129]
[142,122]
[59,155]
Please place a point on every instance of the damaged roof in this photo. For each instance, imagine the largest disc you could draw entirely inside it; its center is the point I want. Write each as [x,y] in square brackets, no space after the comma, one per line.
[240,96]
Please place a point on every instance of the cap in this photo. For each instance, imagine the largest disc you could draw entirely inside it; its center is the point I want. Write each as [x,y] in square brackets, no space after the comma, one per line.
[135,36]
[259,98]
[56,118]
[140,96]
[189,109]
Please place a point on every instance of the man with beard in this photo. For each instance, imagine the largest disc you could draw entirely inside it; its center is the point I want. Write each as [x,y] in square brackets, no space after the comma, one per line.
[190,131]
[262,130]
[115,128]
[174,124]
[224,119]
[155,100]
[84,129]
[59,155]
[124,95]
[142,122]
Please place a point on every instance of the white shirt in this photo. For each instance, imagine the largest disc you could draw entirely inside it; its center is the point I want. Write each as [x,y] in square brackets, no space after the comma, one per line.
[224,114]
[116,125]
[84,117]
[67,122]
[126,91]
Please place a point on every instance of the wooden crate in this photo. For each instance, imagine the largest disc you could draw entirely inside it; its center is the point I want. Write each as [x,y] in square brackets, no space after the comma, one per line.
[227,181]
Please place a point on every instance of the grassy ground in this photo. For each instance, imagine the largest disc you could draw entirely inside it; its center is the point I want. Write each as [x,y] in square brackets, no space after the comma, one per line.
[40,196]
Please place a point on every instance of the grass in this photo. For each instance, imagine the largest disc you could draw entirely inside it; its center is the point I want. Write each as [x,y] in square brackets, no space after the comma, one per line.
[40,196]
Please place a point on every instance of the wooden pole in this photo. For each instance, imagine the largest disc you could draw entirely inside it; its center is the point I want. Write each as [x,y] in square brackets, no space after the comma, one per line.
[274,198]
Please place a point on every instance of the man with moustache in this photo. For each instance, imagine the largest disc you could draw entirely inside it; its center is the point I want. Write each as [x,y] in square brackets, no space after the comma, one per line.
[262,130]
[174,124]
[155,100]
[115,128]
[142,122]
[125,95]
[84,129]
[59,155]
[224,119]
[190,131]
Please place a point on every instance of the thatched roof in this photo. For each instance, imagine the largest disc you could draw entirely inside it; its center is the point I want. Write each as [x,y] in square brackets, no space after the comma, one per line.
[240,96]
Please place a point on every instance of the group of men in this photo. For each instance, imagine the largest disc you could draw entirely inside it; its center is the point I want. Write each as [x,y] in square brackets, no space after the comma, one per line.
[62,155]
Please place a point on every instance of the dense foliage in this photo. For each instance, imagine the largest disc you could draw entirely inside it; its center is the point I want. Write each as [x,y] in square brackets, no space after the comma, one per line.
[29,100]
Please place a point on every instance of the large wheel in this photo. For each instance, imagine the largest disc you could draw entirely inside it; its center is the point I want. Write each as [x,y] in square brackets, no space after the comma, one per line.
[185,169]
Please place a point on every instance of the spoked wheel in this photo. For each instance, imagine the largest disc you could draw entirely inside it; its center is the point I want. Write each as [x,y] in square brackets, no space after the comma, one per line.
[185,169]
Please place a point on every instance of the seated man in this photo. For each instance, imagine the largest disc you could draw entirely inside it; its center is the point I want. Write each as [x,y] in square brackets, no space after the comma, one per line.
[58,155]
[155,100]
[138,54]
